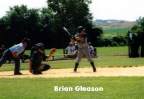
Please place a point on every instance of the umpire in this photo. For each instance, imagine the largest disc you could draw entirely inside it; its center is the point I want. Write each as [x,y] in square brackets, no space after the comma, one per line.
[36,58]
[14,53]
[81,39]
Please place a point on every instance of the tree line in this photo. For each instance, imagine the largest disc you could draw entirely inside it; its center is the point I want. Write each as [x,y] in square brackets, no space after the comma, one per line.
[45,24]
[136,39]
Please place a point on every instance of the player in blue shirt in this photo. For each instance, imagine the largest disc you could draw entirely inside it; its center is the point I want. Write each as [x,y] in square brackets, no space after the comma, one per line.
[14,53]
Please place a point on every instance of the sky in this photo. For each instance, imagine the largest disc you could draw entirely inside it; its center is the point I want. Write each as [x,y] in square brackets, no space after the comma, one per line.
[101,9]
[117,9]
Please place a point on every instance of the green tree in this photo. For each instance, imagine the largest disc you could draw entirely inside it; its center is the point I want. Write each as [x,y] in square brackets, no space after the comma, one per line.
[48,30]
[24,22]
[137,43]
[16,16]
[95,35]
[46,25]
[140,23]
[71,13]
[3,29]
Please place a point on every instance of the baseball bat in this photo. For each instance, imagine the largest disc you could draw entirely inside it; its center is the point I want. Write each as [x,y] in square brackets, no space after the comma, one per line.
[66,30]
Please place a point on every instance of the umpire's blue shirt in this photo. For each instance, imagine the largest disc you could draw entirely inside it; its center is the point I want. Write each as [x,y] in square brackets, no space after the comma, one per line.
[18,48]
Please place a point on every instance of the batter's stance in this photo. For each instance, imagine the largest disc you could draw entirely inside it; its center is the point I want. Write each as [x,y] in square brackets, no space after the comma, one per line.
[81,39]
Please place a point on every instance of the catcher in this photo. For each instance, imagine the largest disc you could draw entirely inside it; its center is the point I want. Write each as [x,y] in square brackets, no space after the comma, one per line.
[81,39]
[36,58]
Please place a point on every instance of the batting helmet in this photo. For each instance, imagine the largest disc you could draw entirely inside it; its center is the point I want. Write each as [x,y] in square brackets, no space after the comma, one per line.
[80,28]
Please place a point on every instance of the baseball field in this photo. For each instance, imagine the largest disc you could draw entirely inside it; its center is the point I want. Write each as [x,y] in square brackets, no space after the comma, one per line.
[117,77]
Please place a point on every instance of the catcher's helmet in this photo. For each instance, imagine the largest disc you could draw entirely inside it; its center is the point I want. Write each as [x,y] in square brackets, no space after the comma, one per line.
[40,45]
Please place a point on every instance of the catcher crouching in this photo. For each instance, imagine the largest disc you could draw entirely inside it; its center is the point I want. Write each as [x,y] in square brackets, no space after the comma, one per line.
[36,58]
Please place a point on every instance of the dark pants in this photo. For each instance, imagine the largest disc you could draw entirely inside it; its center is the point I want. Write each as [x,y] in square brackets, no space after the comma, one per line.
[6,56]
[38,68]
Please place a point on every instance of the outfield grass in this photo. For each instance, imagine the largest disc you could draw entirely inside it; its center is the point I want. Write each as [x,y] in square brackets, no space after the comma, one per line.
[107,57]
[40,88]
[112,51]
[43,88]
[109,33]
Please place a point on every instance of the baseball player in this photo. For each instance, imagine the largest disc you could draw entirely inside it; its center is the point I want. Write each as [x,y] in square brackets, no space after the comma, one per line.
[51,53]
[14,53]
[71,50]
[36,58]
[92,50]
[82,48]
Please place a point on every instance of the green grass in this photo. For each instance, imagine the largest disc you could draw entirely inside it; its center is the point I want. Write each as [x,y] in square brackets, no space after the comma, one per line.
[112,51]
[111,32]
[107,57]
[43,88]
[40,88]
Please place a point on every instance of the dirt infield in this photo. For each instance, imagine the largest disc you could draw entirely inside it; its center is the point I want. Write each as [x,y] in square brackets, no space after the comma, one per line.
[82,72]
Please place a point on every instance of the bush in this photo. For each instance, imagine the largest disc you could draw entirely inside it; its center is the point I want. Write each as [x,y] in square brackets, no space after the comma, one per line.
[114,41]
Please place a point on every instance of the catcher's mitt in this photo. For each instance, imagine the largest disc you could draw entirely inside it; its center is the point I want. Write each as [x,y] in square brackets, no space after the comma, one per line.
[77,39]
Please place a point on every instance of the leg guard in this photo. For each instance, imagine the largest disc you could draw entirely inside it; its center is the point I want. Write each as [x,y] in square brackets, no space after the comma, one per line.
[35,69]
[45,67]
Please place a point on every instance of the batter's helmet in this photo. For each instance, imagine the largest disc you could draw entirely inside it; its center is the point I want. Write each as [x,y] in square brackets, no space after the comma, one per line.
[80,28]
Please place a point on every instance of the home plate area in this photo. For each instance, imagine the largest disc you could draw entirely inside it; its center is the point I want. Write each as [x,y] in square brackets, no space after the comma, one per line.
[82,72]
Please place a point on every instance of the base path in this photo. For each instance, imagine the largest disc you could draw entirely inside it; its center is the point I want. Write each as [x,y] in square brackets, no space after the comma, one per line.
[82,72]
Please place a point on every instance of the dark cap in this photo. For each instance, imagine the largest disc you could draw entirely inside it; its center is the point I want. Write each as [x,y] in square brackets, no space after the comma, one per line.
[80,28]
[40,45]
